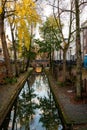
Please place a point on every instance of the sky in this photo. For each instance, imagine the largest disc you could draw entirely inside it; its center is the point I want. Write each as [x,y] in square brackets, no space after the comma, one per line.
[45,10]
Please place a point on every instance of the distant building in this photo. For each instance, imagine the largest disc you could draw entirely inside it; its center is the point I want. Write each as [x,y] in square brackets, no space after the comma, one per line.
[84,37]
[70,55]
[71,52]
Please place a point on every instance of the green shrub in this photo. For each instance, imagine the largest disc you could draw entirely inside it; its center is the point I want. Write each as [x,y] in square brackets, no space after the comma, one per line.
[10,80]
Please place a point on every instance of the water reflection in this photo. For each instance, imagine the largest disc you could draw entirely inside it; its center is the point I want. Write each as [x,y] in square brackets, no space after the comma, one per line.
[35,108]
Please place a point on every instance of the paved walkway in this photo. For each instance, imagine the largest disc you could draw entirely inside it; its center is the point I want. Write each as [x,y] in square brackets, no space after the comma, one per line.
[74,114]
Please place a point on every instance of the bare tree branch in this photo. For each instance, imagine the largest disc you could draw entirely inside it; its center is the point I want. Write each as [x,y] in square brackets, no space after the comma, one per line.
[62,10]
[83,3]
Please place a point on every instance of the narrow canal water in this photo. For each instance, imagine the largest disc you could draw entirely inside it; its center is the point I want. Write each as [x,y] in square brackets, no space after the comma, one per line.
[35,107]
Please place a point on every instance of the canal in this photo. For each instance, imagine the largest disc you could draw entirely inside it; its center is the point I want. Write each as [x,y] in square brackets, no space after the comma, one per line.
[35,108]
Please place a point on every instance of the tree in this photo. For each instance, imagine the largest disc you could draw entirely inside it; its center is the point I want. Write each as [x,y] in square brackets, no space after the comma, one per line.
[79,4]
[74,16]
[25,27]
[3,39]
[61,11]
[24,10]
[12,28]
[50,41]
[78,52]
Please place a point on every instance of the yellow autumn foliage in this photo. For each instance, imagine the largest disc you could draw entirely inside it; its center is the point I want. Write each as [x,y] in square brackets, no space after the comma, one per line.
[25,14]
[0,10]
[24,35]
[27,9]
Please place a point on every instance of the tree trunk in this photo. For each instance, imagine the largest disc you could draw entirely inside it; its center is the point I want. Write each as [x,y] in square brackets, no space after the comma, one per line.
[64,66]
[78,53]
[27,64]
[15,56]
[4,46]
[28,58]
[14,116]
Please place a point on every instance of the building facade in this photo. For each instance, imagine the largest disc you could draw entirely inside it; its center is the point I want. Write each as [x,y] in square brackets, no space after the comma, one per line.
[71,52]
[84,37]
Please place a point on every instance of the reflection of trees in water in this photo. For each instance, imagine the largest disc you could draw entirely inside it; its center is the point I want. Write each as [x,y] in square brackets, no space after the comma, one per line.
[5,123]
[31,79]
[45,79]
[27,103]
[41,80]
[25,107]
[49,115]
[38,80]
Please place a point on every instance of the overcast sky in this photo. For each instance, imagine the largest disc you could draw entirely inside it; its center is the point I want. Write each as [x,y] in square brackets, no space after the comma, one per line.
[45,10]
